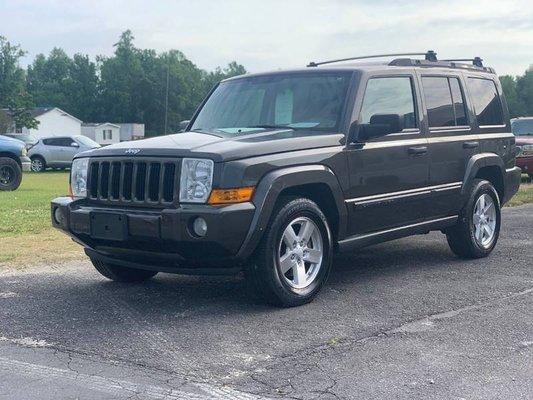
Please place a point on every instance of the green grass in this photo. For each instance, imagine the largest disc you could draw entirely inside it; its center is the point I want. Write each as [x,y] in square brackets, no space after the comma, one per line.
[27,210]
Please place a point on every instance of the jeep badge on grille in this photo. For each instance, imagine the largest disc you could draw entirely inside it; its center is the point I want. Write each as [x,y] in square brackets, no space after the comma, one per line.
[132,151]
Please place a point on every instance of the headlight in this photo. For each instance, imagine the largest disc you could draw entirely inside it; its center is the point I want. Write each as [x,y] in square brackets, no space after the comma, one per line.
[196,180]
[525,150]
[78,177]
[24,152]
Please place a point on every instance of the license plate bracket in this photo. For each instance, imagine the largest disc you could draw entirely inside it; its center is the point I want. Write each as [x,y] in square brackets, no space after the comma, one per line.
[109,226]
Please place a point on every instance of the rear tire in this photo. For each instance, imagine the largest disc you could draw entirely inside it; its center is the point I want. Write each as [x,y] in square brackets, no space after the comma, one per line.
[122,274]
[293,260]
[10,174]
[38,164]
[478,228]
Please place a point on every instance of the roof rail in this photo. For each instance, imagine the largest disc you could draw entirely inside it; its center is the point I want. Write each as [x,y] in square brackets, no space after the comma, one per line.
[477,61]
[429,55]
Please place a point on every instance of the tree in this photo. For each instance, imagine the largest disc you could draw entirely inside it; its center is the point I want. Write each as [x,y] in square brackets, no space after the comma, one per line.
[514,102]
[13,95]
[49,78]
[524,89]
[82,89]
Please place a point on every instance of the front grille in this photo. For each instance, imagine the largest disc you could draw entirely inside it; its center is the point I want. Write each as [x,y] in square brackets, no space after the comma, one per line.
[133,181]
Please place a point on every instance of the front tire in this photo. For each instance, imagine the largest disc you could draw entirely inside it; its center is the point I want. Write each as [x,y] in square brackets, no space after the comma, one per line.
[478,228]
[10,174]
[293,260]
[38,164]
[122,274]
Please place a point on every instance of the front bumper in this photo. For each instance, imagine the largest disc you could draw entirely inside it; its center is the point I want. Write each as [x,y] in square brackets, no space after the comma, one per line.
[160,239]
[512,180]
[25,162]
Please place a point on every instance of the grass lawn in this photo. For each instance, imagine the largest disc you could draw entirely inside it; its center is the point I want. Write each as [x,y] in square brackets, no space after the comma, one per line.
[26,236]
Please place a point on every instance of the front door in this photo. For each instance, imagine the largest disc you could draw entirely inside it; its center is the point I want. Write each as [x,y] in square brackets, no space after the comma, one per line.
[389,174]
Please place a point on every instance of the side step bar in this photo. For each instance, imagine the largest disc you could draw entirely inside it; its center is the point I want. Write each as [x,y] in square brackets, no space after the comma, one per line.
[366,239]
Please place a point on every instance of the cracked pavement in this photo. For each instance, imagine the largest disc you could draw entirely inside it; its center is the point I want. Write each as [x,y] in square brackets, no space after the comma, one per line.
[403,320]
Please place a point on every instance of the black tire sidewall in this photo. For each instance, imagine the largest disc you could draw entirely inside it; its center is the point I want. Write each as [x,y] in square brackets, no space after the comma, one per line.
[482,187]
[17,174]
[292,210]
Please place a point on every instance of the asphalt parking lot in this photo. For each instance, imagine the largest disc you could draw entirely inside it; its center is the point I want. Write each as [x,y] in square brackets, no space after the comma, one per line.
[402,320]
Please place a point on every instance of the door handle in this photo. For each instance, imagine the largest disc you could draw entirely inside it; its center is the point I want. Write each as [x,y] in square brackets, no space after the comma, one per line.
[419,150]
[470,145]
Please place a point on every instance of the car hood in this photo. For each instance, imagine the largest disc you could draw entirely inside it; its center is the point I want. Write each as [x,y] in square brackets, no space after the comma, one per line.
[11,141]
[194,144]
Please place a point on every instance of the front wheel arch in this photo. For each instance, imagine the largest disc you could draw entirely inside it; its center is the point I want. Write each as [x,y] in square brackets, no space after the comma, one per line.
[289,182]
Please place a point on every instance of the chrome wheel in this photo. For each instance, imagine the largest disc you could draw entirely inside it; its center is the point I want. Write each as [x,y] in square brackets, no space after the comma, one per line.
[484,219]
[300,253]
[37,165]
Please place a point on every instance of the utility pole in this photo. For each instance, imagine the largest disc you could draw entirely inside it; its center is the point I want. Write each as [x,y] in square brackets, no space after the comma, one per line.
[166,96]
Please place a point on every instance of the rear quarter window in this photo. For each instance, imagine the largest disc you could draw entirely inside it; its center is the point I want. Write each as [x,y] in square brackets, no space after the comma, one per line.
[486,101]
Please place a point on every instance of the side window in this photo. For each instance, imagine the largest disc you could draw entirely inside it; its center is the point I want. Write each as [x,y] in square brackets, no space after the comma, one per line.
[64,142]
[390,95]
[53,142]
[444,101]
[458,102]
[487,103]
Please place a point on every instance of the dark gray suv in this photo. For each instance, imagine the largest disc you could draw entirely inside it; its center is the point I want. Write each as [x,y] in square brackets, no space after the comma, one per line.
[277,171]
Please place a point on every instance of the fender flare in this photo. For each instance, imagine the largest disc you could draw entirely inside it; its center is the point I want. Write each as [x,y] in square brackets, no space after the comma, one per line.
[477,162]
[271,186]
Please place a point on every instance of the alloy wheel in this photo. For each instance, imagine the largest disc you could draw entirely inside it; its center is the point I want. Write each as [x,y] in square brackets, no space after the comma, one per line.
[36,165]
[484,219]
[300,252]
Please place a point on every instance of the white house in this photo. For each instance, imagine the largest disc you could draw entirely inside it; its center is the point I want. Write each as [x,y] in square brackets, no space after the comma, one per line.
[102,133]
[53,122]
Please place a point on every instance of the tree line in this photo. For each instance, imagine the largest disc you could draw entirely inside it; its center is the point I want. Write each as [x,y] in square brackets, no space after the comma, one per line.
[519,93]
[132,85]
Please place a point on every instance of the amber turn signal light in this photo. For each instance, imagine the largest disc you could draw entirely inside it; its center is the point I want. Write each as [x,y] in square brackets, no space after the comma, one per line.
[230,196]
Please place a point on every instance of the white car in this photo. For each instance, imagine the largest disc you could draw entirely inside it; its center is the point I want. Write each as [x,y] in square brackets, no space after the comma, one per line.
[58,151]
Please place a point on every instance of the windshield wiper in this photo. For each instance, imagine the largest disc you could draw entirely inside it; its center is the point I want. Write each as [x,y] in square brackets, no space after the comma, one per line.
[201,130]
[272,127]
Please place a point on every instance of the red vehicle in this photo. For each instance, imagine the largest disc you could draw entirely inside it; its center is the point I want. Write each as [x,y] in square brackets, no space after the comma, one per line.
[523,130]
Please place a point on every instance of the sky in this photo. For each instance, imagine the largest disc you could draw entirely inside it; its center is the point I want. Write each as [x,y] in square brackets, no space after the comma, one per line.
[272,34]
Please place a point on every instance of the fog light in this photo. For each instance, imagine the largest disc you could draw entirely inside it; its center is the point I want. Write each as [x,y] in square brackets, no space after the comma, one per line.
[199,227]
[58,216]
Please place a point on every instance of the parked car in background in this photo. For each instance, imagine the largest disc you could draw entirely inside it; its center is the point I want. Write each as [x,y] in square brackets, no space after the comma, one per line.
[58,151]
[28,139]
[13,160]
[523,130]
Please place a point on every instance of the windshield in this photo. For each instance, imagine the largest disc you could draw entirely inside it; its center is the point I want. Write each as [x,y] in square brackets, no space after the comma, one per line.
[522,127]
[84,140]
[297,101]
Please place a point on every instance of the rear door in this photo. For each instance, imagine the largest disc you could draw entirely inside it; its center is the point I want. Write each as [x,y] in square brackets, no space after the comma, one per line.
[451,140]
[388,174]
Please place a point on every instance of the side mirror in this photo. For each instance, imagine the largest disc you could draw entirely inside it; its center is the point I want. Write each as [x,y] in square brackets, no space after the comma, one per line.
[183,125]
[380,125]
[74,144]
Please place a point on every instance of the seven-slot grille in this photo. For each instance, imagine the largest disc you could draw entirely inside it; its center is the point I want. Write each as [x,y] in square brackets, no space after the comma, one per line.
[133,181]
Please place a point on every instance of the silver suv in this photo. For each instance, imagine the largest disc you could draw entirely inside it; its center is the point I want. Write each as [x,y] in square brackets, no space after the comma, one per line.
[58,151]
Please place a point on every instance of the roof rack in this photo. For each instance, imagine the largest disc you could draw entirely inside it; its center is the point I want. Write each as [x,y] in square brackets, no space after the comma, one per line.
[430,60]
[430,55]
[477,61]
